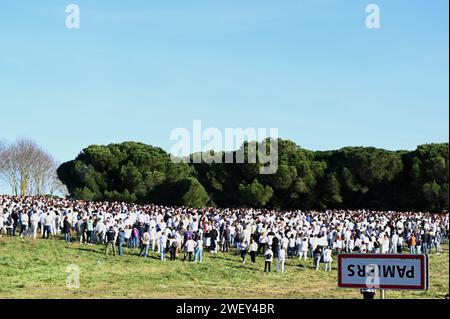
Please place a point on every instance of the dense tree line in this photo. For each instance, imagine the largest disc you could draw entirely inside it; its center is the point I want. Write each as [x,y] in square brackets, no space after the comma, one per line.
[352,177]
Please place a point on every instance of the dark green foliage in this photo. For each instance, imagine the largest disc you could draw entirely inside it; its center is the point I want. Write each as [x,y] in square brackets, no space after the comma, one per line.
[255,194]
[129,172]
[352,177]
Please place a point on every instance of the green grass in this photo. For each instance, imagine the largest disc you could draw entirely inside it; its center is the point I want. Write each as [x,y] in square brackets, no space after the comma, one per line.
[37,269]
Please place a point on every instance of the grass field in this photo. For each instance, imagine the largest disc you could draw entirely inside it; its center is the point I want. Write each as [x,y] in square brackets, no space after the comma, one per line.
[37,269]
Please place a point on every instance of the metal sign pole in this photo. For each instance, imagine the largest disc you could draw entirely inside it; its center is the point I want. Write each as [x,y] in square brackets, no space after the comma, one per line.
[382,293]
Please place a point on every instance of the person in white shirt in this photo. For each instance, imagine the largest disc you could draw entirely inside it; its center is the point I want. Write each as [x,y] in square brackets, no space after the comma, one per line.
[253,249]
[190,246]
[47,225]
[400,244]
[153,235]
[291,246]
[128,235]
[100,232]
[145,241]
[24,219]
[281,260]
[2,224]
[268,258]
[327,258]
[394,243]
[304,249]
[34,220]
[162,246]
[385,244]
[42,221]
[53,229]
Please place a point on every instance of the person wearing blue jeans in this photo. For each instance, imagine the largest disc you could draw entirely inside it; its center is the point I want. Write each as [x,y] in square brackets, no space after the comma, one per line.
[121,240]
[145,241]
[135,237]
[425,247]
[66,229]
[198,253]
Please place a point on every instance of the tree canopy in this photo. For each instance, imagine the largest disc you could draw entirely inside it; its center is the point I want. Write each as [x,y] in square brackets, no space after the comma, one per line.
[352,177]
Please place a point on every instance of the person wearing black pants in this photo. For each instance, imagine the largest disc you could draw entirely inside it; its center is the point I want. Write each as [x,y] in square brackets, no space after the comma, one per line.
[173,249]
[368,293]
[190,246]
[253,249]
[268,258]
[253,256]
[275,246]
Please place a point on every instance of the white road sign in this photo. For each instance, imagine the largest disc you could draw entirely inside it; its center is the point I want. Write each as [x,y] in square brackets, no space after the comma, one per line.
[383,271]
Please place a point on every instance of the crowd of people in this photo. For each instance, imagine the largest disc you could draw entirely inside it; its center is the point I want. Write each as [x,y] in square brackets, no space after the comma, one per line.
[274,235]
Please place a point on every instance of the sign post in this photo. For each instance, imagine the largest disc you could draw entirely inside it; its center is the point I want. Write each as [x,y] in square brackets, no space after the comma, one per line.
[383,271]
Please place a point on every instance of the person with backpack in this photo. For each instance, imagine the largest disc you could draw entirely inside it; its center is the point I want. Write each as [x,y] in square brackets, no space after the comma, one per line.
[9,226]
[173,244]
[268,258]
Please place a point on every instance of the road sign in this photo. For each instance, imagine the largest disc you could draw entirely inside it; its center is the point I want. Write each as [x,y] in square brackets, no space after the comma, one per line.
[383,271]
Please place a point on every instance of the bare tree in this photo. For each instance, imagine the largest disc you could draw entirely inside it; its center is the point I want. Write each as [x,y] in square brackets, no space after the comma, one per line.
[28,169]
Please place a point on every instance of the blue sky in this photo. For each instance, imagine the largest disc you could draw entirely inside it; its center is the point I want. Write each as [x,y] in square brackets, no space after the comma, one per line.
[138,69]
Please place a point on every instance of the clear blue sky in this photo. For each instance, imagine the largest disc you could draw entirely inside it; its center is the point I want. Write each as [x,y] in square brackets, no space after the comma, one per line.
[138,69]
